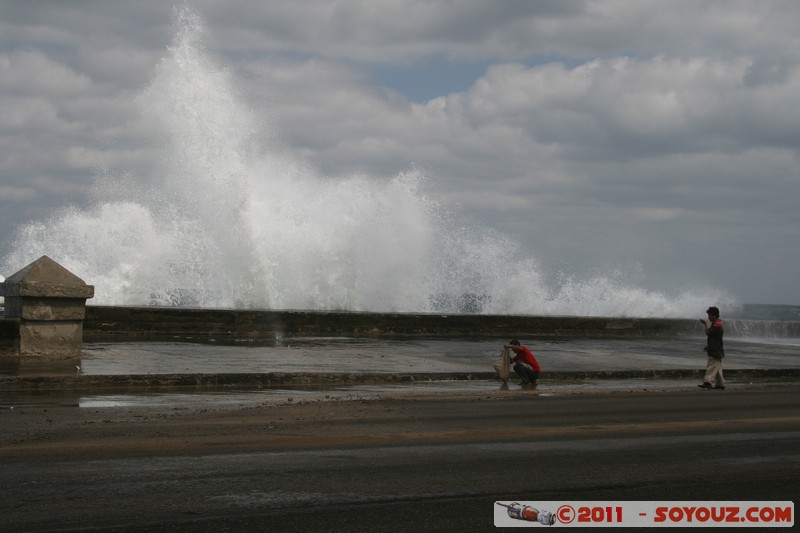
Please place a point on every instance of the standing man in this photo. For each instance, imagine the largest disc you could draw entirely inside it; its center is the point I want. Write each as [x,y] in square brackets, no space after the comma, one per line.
[714,349]
[526,366]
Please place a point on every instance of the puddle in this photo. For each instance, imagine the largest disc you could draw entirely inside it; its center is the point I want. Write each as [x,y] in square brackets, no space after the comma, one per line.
[170,400]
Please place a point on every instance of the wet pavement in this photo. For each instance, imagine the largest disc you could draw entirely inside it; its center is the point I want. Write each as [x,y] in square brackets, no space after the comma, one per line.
[426,356]
[449,361]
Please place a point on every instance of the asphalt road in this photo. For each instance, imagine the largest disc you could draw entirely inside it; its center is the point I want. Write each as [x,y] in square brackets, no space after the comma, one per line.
[418,464]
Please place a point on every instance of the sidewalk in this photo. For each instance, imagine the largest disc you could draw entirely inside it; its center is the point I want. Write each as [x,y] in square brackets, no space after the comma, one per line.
[333,362]
[185,376]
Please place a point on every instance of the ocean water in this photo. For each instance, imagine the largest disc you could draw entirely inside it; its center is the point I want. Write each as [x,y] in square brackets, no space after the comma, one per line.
[764,312]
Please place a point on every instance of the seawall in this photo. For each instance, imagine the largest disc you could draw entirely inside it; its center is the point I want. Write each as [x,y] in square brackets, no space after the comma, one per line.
[126,324]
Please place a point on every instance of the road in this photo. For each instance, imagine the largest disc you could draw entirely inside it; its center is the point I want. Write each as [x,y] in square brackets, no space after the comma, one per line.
[401,464]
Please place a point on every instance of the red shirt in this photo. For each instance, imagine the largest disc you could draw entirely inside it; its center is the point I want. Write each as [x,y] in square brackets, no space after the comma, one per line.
[524,354]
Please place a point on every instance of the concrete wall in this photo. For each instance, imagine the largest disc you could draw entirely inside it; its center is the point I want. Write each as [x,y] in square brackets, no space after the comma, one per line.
[9,336]
[151,323]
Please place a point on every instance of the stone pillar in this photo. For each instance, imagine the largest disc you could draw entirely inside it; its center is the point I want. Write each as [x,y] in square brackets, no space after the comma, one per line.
[50,304]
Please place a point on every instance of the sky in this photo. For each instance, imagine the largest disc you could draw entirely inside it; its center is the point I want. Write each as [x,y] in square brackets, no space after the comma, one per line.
[659,139]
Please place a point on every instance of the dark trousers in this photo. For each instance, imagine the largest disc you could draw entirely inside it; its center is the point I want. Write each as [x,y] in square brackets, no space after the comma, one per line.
[526,373]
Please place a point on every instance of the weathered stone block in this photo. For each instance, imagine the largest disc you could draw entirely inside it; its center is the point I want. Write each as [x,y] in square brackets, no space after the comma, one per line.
[50,303]
[44,278]
[9,337]
[52,339]
[13,306]
[53,309]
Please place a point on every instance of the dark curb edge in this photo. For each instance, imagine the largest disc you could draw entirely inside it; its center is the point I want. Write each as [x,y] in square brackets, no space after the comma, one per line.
[273,379]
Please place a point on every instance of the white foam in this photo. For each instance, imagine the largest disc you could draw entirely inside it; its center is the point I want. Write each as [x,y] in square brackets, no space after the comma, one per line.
[222,223]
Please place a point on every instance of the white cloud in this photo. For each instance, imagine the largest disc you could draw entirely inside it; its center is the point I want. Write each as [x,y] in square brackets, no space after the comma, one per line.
[590,115]
[28,72]
[16,194]
[657,214]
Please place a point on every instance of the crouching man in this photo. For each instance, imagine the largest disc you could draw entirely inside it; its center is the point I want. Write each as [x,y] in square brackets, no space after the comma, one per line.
[525,364]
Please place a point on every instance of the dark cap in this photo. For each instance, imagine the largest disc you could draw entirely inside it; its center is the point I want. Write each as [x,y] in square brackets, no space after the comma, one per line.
[712,311]
[514,342]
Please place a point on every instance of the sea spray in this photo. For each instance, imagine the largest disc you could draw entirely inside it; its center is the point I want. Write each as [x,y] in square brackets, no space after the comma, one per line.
[224,219]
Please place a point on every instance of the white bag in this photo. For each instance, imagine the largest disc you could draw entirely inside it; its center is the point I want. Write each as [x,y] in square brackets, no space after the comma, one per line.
[501,365]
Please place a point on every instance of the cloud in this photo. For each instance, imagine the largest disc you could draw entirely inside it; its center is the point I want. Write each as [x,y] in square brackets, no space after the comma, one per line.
[399,31]
[16,194]
[583,117]
[32,71]
[658,214]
